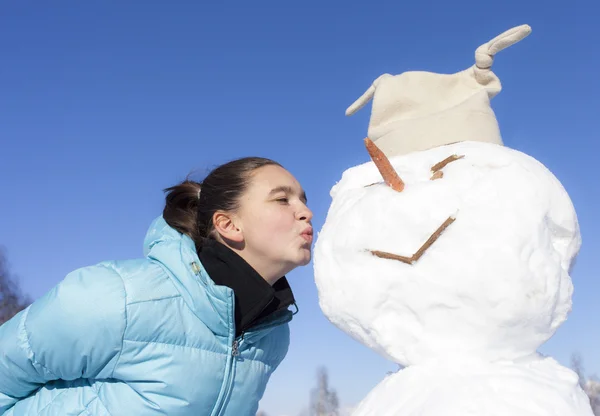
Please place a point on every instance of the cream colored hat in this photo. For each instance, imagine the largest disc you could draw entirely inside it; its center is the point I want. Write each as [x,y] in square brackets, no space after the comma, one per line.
[418,110]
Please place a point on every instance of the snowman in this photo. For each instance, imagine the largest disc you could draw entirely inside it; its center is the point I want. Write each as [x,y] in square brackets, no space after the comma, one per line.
[450,253]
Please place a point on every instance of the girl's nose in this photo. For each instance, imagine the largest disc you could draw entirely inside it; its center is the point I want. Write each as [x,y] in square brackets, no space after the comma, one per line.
[304,214]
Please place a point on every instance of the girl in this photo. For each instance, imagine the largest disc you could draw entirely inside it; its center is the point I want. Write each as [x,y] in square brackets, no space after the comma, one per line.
[196,327]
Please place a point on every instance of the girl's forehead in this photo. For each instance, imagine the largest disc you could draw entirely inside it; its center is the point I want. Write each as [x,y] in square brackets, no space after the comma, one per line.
[273,178]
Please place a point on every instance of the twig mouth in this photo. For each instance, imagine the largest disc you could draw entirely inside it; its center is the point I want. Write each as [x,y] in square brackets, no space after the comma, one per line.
[416,256]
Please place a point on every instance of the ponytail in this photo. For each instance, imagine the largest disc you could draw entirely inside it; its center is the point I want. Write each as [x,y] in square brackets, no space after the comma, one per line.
[181,208]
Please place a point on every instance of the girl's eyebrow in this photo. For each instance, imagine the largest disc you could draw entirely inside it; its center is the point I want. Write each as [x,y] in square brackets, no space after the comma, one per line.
[288,190]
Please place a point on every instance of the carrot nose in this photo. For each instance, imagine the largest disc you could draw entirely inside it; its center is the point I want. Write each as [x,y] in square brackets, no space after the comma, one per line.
[390,176]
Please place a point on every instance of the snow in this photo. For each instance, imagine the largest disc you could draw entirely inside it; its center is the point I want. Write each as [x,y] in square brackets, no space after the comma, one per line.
[467,317]
[540,387]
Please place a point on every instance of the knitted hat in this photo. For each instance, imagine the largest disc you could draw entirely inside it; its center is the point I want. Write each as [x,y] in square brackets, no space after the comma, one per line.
[418,110]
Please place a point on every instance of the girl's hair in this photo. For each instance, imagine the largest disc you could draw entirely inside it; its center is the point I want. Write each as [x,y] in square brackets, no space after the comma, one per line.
[190,205]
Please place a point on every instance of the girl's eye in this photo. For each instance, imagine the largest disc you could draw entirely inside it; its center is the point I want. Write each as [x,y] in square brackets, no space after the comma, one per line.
[282,200]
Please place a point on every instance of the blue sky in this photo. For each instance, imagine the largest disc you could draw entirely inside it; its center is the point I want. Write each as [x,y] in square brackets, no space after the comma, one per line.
[104,104]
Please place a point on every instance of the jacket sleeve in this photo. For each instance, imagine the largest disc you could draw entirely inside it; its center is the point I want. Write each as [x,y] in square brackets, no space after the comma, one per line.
[74,331]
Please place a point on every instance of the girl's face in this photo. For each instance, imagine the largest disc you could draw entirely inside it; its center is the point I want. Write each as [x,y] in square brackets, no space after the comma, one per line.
[275,223]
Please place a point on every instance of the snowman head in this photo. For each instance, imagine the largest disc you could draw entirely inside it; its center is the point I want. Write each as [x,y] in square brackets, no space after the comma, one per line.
[469,257]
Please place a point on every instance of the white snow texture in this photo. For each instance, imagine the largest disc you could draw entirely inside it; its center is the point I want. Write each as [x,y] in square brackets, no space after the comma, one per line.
[539,387]
[469,315]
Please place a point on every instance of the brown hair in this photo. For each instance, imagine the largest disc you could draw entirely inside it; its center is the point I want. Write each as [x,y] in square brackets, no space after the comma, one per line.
[190,205]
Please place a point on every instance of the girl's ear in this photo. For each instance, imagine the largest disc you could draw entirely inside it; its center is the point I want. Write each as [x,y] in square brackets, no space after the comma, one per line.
[225,224]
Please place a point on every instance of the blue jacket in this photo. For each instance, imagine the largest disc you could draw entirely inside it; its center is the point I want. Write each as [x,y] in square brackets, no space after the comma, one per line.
[154,336]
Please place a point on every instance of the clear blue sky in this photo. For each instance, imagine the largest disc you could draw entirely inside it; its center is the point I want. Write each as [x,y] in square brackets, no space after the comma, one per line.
[104,104]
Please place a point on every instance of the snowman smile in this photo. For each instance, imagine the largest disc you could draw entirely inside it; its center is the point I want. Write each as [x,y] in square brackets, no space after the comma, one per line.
[417,255]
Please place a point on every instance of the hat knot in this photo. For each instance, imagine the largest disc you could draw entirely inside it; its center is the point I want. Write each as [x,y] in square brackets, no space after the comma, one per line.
[484,55]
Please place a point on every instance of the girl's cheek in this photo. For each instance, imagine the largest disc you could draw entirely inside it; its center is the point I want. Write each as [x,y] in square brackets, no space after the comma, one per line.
[280,222]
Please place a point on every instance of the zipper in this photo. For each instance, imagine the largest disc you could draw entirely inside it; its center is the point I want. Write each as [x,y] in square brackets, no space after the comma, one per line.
[230,365]
[250,334]
[231,361]
[235,348]
[227,384]
[235,352]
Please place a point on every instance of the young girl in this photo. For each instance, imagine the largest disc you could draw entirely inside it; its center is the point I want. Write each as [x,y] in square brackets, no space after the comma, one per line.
[196,327]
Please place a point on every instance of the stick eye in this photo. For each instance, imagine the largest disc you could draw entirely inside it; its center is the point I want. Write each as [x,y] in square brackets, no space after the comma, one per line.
[436,169]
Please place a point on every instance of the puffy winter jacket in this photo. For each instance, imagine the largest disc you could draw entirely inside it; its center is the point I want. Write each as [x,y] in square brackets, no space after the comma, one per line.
[154,336]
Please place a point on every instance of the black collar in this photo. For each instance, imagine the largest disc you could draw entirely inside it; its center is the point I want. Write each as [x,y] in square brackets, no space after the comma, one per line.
[255,299]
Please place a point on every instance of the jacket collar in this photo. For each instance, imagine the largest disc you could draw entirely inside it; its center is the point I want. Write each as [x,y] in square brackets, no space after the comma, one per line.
[255,299]
[176,252]
[210,301]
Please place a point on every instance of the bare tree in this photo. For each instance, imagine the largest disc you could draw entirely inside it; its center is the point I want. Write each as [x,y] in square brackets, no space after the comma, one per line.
[577,366]
[592,389]
[323,400]
[11,299]
[400,368]
[590,385]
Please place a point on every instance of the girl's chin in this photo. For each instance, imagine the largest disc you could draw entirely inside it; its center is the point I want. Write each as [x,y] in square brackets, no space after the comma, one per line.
[306,258]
